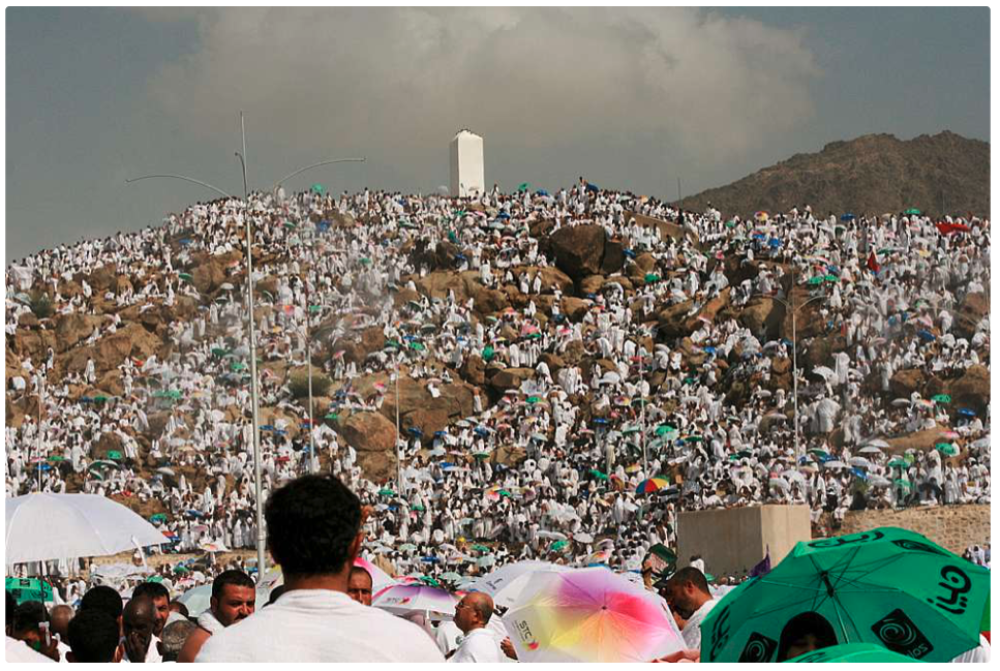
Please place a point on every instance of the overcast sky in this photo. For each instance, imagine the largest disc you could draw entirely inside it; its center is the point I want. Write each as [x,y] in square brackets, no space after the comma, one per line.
[629,98]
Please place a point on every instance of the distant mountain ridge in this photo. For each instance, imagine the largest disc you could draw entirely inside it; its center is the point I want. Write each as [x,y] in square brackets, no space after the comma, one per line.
[937,174]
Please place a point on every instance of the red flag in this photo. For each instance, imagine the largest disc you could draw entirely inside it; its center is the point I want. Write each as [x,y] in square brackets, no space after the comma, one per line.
[947,229]
[873,263]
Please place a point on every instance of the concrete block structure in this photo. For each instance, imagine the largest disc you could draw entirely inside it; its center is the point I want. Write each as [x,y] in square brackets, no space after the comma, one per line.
[731,542]
[467,174]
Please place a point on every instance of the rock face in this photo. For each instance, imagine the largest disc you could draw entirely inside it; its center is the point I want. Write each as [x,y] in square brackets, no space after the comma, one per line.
[907,381]
[510,378]
[579,250]
[974,308]
[862,175]
[972,390]
[374,437]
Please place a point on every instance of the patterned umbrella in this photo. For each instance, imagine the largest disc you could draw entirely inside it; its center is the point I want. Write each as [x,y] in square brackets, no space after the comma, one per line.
[651,485]
[590,615]
[888,586]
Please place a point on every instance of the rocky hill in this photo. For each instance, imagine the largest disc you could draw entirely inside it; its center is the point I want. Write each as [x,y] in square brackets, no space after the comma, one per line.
[938,174]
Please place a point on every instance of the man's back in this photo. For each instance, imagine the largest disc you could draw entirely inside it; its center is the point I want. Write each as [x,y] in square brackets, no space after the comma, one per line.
[317,625]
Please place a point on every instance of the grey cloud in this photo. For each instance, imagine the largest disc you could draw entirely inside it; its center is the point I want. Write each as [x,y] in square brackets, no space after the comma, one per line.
[394,82]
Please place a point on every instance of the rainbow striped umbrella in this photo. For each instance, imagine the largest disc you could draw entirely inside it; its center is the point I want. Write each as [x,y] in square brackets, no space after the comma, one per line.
[651,485]
[590,615]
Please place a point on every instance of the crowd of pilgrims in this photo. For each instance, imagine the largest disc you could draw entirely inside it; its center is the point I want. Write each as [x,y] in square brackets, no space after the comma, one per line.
[588,437]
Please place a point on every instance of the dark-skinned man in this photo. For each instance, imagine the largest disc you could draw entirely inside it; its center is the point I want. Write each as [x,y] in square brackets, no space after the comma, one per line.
[138,622]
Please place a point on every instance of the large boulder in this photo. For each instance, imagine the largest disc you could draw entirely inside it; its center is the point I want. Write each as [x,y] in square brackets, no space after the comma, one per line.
[552,277]
[972,390]
[510,378]
[374,438]
[579,250]
[763,316]
[369,432]
[673,322]
[905,382]
[575,308]
[473,370]
[973,309]
[74,327]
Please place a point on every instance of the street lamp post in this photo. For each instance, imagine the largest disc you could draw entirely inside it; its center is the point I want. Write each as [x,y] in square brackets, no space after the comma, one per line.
[795,360]
[252,325]
[253,341]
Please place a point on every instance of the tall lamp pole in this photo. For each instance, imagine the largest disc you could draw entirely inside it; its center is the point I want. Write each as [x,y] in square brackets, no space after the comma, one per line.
[261,561]
[795,360]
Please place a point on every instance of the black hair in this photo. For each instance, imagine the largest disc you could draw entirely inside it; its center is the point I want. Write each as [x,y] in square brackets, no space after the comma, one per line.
[103,598]
[275,594]
[93,636]
[11,605]
[28,616]
[153,590]
[689,575]
[809,622]
[311,523]
[231,577]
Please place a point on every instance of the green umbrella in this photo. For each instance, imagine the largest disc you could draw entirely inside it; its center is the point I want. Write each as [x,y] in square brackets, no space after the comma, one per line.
[533,400]
[652,277]
[905,484]
[366,261]
[664,429]
[315,308]
[899,463]
[480,548]
[115,454]
[417,507]
[558,545]
[332,415]
[815,280]
[218,351]
[386,492]
[187,277]
[864,653]
[941,398]
[57,458]
[318,188]
[947,449]
[155,578]
[504,492]
[289,224]
[181,569]
[417,346]
[524,186]
[28,589]
[913,210]
[487,353]
[887,586]
[237,366]
[598,474]
[831,278]
[481,455]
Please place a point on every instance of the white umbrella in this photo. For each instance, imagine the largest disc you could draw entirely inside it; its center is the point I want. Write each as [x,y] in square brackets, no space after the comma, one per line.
[871,449]
[878,442]
[401,599]
[583,538]
[41,527]
[878,481]
[834,464]
[197,599]
[823,372]
[860,462]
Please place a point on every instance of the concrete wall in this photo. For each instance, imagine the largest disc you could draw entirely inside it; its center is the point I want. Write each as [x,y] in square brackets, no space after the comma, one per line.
[952,527]
[467,171]
[732,541]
